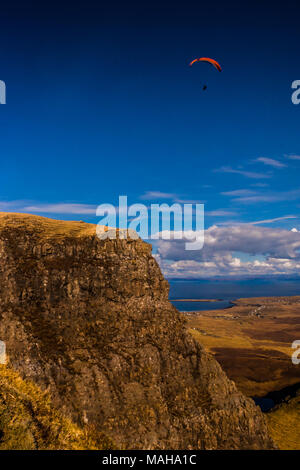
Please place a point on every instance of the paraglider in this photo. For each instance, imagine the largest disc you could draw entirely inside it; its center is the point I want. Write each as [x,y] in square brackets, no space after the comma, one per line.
[213,62]
[207,59]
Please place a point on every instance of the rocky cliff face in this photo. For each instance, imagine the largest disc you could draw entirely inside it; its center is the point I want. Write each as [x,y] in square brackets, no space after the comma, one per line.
[90,321]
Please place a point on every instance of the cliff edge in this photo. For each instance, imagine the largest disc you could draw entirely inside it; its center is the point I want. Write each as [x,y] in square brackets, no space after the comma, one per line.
[89,321]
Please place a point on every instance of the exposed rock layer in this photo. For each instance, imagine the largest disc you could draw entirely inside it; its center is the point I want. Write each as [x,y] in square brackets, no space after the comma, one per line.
[90,320]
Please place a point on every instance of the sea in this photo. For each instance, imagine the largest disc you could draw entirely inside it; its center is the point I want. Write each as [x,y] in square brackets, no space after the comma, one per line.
[225,291]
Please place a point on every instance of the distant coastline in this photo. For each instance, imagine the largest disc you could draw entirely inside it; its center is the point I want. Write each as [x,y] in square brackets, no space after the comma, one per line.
[196,300]
[192,305]
[191,290]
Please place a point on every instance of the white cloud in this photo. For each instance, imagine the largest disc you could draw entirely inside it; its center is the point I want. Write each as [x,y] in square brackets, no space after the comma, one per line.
[260,222]
[271,162]
[228,266]
[252,197]
[221,213]
[247,174]
[293,157]
[62,208]
[10,205]
[276,219]
[239,193]
[157,195]
[244,238]
[260,185]
[277,251]
[189,201]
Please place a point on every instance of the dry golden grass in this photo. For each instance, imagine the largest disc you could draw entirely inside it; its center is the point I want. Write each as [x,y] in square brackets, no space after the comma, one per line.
[45,227]
[284,425]
[29,421]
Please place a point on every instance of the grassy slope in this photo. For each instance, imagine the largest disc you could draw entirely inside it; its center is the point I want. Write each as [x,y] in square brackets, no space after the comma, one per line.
[28,420]
[284,425]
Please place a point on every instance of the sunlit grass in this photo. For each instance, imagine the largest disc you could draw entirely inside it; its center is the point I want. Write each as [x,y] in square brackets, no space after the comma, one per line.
[28,420]
[284,425]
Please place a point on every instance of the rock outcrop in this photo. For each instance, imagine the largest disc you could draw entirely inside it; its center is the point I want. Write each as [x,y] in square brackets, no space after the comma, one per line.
[89,320]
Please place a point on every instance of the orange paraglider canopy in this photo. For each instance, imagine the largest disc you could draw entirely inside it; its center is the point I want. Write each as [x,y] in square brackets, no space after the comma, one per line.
[207,59]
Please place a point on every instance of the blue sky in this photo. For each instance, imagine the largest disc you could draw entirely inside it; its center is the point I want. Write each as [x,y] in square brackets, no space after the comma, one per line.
[101,102]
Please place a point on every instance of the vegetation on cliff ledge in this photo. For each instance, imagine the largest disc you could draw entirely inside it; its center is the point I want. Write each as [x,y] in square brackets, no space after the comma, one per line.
[28,421]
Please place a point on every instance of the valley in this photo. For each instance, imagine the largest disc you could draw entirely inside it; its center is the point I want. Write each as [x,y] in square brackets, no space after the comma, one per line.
[253,343]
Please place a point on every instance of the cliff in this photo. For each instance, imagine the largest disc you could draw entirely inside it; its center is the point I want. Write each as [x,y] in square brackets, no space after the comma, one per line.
[89,321]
